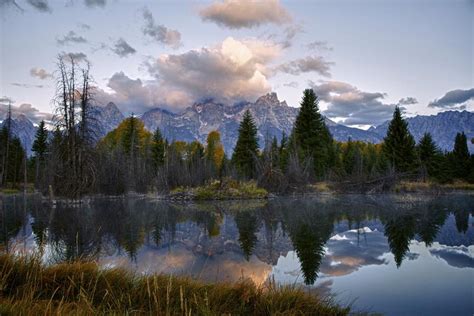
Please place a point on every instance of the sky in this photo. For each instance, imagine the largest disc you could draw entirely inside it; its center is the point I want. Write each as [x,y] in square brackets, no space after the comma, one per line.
[362,58]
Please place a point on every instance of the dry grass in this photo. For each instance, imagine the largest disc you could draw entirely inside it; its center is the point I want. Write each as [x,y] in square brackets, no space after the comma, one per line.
[320,187]
[29,288]
[227,190]
[412,186]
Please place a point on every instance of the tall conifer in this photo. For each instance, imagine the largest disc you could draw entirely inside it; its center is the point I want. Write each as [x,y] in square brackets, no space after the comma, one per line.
[311,134]
[246,149]
[399,144]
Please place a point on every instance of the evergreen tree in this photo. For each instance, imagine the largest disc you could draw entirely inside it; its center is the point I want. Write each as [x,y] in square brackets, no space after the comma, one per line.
[246,149]
[311,134]
[40,145]
[460,157]
[158,149]
[39,148]
[399,144]
[283,152]
[429,155]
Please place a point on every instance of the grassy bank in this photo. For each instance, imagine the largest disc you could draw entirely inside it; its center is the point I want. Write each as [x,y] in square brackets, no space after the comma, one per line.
[28,287]
[431,187]
[226,190]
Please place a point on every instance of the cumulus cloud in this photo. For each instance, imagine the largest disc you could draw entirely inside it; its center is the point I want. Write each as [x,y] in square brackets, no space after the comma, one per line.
[135,95]
[231,71]
[40,73]
[122,48]
[40,5]
[352,106]
[237,14]
[307,64]
[71,37]
[454,99]
[26,109]
[95,3]
[160,33]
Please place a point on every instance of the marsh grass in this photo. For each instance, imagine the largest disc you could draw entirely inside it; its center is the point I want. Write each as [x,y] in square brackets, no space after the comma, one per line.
[413,186]
[27,287]
[228,189]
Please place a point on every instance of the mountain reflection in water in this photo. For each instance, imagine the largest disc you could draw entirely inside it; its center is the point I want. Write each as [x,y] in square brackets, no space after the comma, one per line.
[333,243]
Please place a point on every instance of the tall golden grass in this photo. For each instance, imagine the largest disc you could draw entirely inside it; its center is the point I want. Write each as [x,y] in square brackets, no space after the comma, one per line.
[27,287]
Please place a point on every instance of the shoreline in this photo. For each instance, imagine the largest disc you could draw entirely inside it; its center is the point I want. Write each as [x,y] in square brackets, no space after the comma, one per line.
[30,287]
[313,190]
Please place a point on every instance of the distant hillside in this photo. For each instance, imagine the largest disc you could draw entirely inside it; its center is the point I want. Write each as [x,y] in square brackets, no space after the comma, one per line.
[442,126]
[273,118]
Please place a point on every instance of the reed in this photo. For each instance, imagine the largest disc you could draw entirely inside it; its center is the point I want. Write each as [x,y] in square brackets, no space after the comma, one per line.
[28,287]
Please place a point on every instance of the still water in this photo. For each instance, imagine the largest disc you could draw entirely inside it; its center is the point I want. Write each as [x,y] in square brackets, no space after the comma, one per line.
[397,255]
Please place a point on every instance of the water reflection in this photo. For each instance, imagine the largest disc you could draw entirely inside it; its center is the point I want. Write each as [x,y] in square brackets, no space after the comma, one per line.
[329,236]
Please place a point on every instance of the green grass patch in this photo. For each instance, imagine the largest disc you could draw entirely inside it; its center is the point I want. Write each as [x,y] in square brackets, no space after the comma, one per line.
[228,189]
[29,288]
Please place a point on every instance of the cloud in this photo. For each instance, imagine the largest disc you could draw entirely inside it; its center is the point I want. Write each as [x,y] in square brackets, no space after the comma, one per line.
[95,3]
[84,26]
[229,72]
[456,256]
[134,95]
[122,48]
[237,14]
[307,64]
[26,109]
[319,46]
[71,37]
[408,101]
[292,84]
[454,99]
[40,73]
[27,85]
[352,106]
[78,57]
[40,5]
[9,3]
[160,33]
[6,100]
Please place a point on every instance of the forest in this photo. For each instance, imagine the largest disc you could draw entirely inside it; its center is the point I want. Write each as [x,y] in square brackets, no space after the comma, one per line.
[70,161]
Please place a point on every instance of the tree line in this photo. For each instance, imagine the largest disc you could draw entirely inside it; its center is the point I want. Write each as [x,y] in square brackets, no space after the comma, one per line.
[69,162]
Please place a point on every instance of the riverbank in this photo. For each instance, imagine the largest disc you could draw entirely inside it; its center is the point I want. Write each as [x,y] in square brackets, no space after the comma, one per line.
[30,288]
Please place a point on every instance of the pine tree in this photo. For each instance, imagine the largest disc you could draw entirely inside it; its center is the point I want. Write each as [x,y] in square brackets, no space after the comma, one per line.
[40,147]
[399,144]
[246,149]
[311,134]
[283,152]
[460,157]
[158,149]
[429,155]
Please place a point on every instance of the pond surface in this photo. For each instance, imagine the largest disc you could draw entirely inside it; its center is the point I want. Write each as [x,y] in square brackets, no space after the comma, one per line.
[397,255]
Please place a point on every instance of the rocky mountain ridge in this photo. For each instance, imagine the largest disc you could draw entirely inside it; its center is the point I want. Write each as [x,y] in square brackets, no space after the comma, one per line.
[272,117]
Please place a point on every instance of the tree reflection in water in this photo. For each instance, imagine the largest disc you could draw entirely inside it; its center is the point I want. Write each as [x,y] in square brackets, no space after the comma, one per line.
[266,229]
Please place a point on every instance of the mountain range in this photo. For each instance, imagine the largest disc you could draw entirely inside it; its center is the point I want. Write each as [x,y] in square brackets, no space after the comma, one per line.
[272,117]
